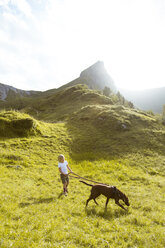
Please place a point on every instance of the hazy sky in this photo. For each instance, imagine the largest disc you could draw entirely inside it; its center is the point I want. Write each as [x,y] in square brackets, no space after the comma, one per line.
[47,43]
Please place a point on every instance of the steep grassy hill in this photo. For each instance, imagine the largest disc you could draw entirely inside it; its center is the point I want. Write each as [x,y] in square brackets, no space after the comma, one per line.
[108,143]
[59,105]
[114,131]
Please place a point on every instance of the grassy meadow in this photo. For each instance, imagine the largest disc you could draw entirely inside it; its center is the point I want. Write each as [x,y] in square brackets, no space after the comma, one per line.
[35,213]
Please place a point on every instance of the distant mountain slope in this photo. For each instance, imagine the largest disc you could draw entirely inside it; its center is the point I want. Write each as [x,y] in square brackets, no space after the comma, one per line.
[149,99]
[8,92]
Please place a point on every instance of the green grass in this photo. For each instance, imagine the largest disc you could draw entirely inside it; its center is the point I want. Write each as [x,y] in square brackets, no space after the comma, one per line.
[14,124]
[56,105]
[116,131]
[34,213]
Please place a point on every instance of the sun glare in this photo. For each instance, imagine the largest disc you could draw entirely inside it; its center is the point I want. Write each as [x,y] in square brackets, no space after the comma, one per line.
[55,43]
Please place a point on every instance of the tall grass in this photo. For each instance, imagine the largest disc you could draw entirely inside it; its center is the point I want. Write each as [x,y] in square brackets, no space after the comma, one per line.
[34,213]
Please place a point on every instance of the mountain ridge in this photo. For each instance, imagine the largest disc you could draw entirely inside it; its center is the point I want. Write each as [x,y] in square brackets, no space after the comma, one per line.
[95,77]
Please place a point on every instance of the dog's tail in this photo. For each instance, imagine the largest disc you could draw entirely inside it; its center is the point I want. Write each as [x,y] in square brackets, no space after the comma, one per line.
[86,183]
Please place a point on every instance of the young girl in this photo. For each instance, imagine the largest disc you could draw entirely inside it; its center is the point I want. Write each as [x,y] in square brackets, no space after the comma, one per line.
[63,168]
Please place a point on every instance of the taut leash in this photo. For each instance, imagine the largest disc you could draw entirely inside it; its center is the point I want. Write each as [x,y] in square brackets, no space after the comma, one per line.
[86,179]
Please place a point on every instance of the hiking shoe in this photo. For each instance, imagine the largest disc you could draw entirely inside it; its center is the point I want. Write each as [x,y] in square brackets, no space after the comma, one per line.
[65,192]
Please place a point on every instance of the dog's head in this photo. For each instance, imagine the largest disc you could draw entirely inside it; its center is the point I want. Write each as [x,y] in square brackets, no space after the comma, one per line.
[125,200]
[123,197]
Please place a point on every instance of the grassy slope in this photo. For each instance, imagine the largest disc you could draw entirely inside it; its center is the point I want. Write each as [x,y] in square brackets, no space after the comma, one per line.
[60,105]
[33,213]
[14,124]
[55,105]
[116,131]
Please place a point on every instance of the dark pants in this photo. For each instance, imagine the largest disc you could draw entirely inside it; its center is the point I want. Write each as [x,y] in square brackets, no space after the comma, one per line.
[64,178]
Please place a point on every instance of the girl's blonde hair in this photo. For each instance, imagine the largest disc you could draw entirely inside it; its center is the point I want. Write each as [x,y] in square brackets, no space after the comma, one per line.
[61,157]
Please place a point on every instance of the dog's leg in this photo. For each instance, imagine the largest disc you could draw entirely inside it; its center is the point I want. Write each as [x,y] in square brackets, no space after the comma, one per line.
[88,201]
[94,195]
[120,205]
[90,198]
[106,203]
[95,201]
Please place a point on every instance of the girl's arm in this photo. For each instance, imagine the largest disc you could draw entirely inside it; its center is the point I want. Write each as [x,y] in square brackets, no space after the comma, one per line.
[69,168]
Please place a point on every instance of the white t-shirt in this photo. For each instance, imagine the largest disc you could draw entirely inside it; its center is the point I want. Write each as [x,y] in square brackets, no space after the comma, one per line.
[63,167]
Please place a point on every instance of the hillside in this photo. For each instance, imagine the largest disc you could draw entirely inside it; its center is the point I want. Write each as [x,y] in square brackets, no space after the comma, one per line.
[104,142]
[59,105]
[149,99]
[94,121]
[116,131]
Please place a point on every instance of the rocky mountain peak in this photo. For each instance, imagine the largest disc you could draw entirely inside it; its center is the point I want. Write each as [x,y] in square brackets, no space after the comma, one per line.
[97,77]
[94,69]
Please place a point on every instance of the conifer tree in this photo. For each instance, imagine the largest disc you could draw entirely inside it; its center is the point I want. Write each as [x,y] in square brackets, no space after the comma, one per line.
[107,91]
[163,115]
[130,104]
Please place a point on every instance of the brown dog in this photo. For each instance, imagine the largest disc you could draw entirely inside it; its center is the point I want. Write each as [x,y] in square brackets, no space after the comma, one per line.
[109,192]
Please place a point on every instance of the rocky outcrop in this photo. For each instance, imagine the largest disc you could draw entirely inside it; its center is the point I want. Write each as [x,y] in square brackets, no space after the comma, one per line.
[96,77]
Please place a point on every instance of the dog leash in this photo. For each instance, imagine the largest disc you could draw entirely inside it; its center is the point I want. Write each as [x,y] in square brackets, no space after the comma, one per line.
[86,179]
